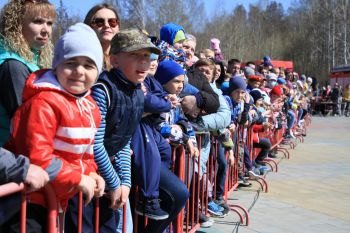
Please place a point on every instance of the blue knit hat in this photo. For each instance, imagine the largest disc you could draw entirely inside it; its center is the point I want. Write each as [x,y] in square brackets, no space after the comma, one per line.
[167,70]
[78,40]
[237,82]
[281,81]
[256,95]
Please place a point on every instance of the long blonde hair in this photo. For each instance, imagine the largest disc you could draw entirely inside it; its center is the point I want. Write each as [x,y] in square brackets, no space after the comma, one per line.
[11,21]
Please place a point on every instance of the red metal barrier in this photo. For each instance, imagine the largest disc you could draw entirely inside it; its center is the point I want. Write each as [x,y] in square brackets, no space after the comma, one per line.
[51,202]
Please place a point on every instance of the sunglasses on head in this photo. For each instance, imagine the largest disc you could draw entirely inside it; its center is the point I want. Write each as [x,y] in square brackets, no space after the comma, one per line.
[99,22]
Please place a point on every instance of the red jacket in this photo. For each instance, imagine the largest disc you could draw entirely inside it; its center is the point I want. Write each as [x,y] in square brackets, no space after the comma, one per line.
[256,130]
[56,131]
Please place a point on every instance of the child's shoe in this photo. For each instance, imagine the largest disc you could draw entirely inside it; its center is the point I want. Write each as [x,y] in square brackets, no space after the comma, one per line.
[151,209]
[215,209]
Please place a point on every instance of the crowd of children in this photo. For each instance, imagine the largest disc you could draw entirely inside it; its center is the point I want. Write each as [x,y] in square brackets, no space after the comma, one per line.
[102,117]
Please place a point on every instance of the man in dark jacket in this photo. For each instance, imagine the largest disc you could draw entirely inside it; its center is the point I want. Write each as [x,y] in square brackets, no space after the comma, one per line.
[18,169]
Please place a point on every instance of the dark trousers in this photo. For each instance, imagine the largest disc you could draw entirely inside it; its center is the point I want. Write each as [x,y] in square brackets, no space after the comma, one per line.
[108,221]
[150,150]
[265,145]
[36,221]
[174,194]
[221,172]
[247,161]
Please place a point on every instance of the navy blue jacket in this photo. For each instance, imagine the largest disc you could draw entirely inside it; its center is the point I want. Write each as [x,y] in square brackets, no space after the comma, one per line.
[124,111]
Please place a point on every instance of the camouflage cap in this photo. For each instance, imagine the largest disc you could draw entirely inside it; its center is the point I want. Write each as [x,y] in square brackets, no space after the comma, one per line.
[130,40]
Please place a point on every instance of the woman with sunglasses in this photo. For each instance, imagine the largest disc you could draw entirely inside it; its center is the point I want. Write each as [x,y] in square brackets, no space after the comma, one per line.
[25,46]
[104,19]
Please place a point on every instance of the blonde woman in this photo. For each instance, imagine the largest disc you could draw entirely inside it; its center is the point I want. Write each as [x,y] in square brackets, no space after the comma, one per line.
[25,46]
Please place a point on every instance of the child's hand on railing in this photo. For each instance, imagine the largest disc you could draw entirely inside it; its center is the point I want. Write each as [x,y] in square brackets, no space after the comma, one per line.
[125,191]
[100,182]
[231,158]
[87,186]
[114,195]
[192,149]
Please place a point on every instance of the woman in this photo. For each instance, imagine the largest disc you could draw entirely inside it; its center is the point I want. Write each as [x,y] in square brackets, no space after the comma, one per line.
[104,19]
[25,46]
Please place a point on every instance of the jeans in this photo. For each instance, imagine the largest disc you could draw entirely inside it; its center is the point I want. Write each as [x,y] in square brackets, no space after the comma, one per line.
[205,151]
[291,119]
[247,161]
[221,172]
[129,225]
[174,194]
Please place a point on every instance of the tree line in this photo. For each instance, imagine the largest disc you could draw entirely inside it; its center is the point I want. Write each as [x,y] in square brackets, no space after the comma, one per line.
[313,34]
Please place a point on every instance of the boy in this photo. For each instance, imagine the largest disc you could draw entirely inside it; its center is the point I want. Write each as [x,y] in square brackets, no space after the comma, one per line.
[150,148]
[56,124]
[174,125]
[120,98]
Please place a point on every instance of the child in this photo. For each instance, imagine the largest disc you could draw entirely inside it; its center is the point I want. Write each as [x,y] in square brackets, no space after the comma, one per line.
[120,98]
[56,124]
[174,125]
[150,148]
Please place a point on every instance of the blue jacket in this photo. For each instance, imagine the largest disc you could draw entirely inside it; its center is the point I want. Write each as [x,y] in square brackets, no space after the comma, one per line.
[155,101]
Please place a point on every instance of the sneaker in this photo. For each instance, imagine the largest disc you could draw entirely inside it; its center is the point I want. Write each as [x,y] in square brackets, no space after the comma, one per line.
[272,155]
[204,221]
[253,175]
[151,209]
[215,209]
[242,182]
[219,200]
[226,209]
[264,170]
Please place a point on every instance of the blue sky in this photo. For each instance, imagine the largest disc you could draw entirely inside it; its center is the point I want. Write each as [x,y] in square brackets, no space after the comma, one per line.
[81,7]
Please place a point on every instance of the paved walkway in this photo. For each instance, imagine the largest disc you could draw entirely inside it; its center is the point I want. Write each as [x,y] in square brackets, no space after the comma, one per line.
[309,194]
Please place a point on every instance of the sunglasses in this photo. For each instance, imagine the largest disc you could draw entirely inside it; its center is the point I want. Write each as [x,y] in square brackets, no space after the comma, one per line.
[100,22]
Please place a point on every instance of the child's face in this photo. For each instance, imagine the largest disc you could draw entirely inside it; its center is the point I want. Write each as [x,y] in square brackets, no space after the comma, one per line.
[237,95]
[259,102]
[153,67]
[179,44]
[135,65]
[175,85]
[37,31]
[77,74]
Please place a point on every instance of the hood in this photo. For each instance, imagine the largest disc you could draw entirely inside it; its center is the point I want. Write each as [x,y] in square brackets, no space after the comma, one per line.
[168,32]
[44,80]
[5,55]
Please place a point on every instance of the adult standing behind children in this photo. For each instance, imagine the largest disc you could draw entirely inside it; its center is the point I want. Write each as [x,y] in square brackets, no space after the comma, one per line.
[25,32]
[56,124]
[104,19]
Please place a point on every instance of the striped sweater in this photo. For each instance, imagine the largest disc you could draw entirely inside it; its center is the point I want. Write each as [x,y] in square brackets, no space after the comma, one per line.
[116,173]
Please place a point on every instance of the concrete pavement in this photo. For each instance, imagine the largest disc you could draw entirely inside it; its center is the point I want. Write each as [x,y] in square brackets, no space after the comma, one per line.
[309,194]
